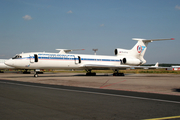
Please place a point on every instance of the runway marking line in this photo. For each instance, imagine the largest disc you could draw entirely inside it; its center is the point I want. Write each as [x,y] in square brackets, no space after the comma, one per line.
[104,83]
[111,84]
[148,92]
[164,118]
[97,93]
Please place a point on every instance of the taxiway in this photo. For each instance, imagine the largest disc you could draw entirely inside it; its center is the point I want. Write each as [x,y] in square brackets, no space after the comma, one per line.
[75,96]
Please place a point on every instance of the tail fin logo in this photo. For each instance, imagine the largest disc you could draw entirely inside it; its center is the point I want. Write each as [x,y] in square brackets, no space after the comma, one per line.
[139,48]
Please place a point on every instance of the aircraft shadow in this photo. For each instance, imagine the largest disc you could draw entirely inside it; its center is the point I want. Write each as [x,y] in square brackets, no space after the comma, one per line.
[176,89]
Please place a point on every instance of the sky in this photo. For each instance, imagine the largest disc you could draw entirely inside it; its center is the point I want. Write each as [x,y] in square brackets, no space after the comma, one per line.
[46,25]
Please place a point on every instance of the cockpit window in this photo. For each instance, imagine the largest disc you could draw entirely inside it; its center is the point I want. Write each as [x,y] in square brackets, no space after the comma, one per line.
[17,57]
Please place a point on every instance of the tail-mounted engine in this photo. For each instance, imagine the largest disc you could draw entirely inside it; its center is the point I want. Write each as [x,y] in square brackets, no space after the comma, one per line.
[128,58]
[131,61]
[121,51]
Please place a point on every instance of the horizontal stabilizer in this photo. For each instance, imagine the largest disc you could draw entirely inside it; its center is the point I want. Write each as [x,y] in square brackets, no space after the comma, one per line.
[151,40]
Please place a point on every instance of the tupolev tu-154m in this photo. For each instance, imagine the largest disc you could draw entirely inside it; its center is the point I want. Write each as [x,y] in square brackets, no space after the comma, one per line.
[123,59]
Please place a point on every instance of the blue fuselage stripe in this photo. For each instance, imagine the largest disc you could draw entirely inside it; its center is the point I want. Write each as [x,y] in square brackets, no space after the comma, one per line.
[64,58]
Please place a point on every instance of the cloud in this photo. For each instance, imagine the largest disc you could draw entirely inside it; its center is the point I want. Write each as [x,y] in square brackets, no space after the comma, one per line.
[27,17]
[70,12]
[102,25]
[177,7]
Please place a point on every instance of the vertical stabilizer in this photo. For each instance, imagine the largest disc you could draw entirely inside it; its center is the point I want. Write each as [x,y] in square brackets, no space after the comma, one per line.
[139,49]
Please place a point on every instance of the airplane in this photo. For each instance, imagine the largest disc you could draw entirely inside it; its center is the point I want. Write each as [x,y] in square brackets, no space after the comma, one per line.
[122,60]
[153,67]
[156,65]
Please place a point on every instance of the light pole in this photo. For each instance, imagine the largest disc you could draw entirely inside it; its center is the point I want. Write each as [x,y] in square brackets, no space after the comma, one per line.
[95,51]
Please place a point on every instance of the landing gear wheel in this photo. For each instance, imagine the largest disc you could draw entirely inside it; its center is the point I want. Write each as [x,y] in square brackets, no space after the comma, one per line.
[36,75]
[116,73]
[121,74]
[26,72]
[91,74]
[39,72]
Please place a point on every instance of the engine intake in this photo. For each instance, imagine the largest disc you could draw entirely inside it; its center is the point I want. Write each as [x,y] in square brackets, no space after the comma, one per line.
[115,51]
[121,51]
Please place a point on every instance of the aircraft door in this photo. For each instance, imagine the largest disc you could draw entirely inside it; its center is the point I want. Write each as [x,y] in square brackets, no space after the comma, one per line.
[33,58]
[77,59]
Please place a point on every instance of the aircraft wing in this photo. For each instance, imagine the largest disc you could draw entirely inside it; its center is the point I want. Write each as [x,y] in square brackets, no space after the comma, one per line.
[64,51]
[119,67]
[98,66]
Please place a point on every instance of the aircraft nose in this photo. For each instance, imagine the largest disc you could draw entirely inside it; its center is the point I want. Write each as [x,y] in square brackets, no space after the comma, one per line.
[9,62]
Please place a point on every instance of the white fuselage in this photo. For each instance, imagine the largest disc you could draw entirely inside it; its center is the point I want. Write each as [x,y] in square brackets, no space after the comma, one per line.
[123,59]
[60,61]
[4,66]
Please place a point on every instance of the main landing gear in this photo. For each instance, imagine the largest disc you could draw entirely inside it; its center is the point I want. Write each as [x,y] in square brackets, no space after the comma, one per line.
[116,73]
[89,73]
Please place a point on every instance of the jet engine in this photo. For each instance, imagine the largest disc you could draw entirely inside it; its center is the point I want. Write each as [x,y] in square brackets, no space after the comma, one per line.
[131,61]
[121,51]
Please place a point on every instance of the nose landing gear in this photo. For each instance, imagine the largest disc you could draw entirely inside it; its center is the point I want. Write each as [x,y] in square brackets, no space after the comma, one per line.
[37,72]
[36,75]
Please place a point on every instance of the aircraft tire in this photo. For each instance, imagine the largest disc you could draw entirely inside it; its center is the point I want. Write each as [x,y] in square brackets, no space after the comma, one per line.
[39,72]
[36,75]
[26,72]
[118,74]
[91,74]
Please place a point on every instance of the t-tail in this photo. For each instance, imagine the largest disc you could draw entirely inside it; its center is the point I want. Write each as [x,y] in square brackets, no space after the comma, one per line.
[136,54]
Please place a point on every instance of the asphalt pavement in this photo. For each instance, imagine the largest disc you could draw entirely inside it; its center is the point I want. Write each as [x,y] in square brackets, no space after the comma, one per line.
[28,100]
